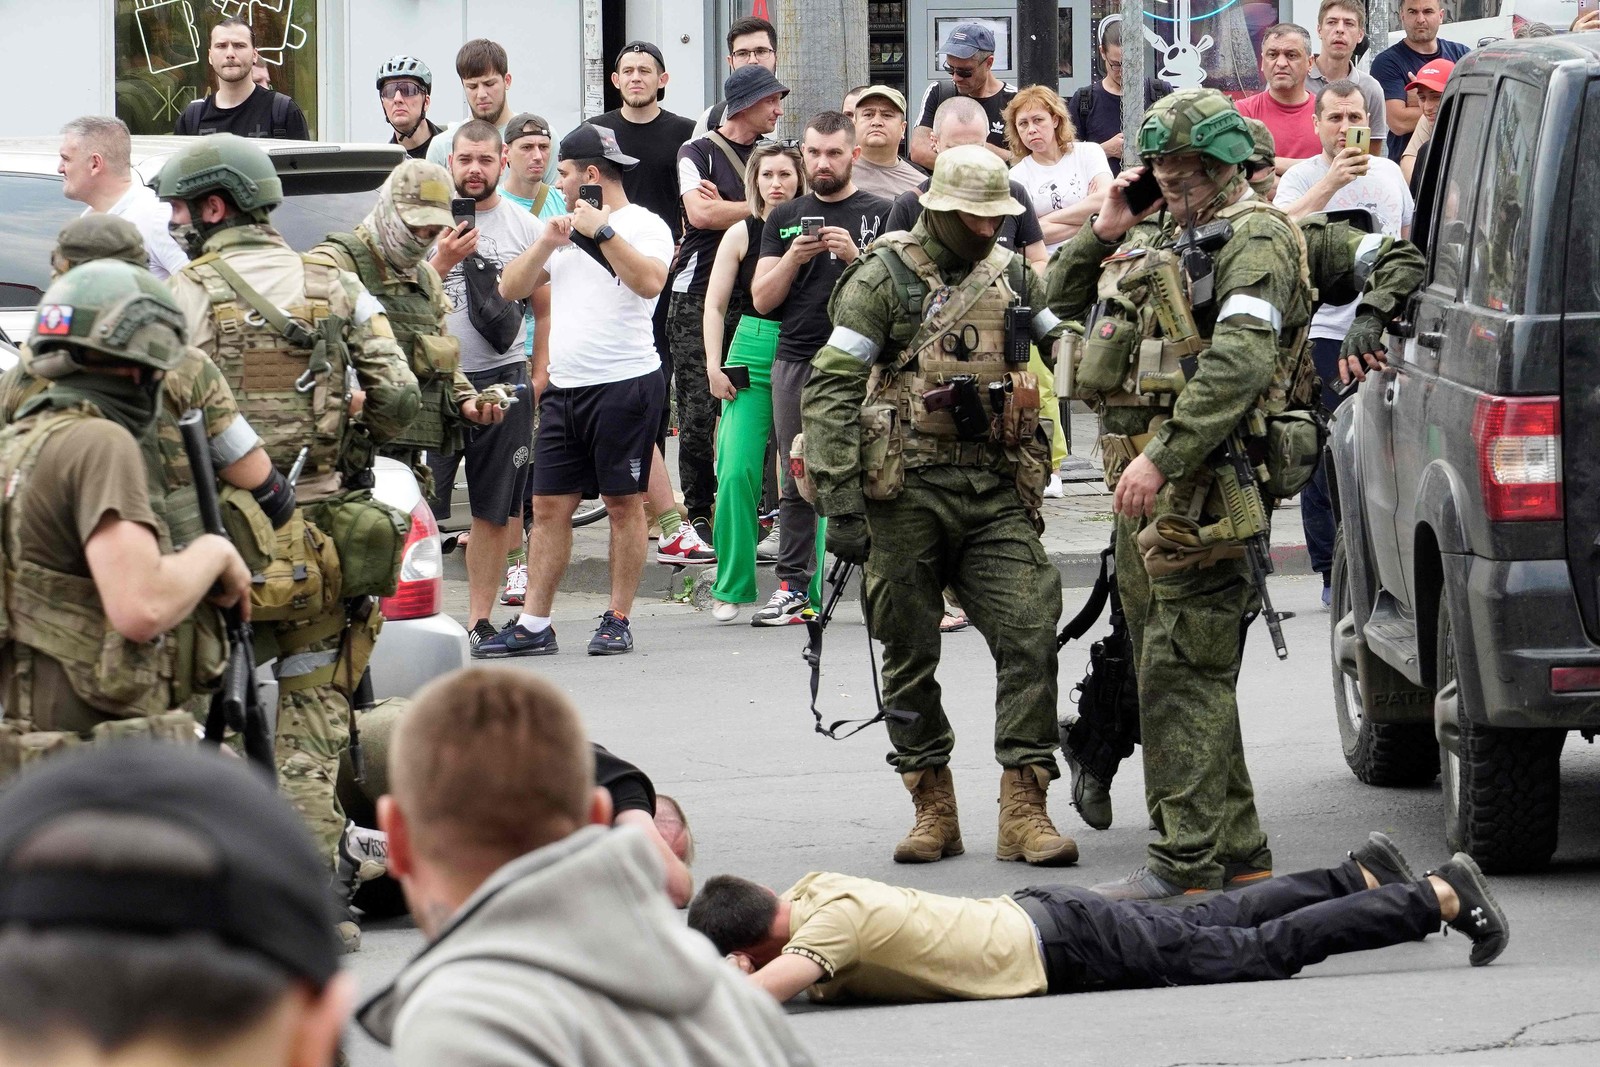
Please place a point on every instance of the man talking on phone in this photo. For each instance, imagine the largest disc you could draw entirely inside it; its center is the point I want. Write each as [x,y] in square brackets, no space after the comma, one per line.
[606,264]
[490,231]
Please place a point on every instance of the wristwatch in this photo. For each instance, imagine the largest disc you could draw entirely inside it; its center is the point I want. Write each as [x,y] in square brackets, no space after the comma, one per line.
[604,234]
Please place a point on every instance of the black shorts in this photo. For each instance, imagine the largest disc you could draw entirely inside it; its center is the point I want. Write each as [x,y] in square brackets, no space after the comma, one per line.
[598,439]
[497,456]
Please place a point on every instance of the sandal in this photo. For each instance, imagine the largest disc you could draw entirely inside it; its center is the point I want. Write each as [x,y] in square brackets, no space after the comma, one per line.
[952,623]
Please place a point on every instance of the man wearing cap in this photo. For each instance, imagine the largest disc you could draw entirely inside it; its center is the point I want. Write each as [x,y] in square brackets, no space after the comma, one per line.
[922,504]
[1396,65]
[405,87]
[880,118]
[163,905]
[606,267]
[752,41]
[96,170]
[711,188]
[526,178]
[969,60]
[1429,86]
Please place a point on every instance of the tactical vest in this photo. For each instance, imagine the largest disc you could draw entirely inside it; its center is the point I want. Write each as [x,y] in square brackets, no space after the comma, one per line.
[293,395]
[434,356]
[972,345]
[59,615]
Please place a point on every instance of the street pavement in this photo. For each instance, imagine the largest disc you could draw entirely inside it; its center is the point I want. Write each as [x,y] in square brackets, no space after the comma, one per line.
[717,715]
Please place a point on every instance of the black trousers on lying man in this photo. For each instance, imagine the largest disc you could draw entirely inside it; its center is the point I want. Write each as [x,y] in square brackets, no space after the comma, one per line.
[844,938]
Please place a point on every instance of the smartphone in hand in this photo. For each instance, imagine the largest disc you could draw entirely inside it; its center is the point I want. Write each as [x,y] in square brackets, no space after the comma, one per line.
[811,225]
[738,375]
[1358,137]
[1143,194]
[464,209]
[590,194]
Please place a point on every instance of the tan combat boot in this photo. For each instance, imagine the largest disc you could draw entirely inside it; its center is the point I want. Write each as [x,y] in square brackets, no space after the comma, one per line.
[936,833]
[1026,832]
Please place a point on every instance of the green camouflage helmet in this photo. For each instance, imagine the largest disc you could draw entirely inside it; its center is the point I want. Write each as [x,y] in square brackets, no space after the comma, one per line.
[98,236]
[1195,120]
[970,178]
[106,306]
[1266,150]
[222,163]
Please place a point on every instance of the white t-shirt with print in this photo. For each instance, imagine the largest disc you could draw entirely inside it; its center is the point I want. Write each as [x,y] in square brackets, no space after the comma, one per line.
[1063,183]
[1382,191]
[600,330]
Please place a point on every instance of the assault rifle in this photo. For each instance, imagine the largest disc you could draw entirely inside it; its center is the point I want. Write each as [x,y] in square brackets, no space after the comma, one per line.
[839,578]
[1246,521]
[235,705]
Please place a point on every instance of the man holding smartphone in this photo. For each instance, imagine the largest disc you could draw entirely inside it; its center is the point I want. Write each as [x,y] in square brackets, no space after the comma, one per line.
[490,232]
[1344,176]
[805,246]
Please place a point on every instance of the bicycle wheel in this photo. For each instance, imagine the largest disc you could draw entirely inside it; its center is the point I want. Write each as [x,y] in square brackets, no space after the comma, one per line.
[590,509]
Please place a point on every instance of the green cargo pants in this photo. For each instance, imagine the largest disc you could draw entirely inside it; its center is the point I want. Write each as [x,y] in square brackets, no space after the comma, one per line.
[964,527]
[1188,647]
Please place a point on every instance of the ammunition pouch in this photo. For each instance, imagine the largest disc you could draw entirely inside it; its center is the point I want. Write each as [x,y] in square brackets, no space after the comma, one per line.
[435,359]
[1015,402]
[369,537]
[1172,544]
[883,469]
[435,356]
[301,577]
[1033,469]
[21,745]
[357,453]
[1293,449]
[1117,450]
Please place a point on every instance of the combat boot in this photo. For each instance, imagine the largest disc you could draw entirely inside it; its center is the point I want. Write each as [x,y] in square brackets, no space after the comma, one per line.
[936,833]
[1026,832]
[1089,795]
[362,856]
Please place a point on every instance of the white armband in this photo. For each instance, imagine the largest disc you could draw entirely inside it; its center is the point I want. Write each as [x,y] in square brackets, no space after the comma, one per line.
[1241,306]
[858,345]
[1043,323]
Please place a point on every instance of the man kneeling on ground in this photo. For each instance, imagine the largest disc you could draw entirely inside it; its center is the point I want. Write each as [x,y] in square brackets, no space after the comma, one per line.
[551,941]
[846,938]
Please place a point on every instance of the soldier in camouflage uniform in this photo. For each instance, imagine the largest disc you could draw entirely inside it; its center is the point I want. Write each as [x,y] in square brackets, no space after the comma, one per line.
[385,251]
[103,632]
[924,500]
[1247,349]
[285,330]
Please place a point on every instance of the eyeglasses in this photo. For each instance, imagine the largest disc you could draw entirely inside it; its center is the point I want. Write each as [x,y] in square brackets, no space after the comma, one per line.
[391,90]
[961,72]
[745,55]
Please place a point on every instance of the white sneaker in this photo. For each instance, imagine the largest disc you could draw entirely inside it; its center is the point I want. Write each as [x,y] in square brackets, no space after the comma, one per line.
[767,547]
[723,611]
[516,590]
[685,547]
[787,606]
[1054,491]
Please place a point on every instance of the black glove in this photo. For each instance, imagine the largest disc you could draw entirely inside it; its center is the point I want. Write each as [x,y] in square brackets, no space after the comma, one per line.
[1366,335]
[848,537]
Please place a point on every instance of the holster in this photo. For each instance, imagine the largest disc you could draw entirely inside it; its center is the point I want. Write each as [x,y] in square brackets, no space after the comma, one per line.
[1172,544]
[1017,409]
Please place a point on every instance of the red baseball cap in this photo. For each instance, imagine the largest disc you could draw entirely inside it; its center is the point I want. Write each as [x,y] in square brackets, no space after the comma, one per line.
[1432,76]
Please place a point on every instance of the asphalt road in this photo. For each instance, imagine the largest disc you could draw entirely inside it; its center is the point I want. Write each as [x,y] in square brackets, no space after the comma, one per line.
[718,716]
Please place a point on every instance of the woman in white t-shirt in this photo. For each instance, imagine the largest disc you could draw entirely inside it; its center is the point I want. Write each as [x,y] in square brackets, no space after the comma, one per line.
[1066,178]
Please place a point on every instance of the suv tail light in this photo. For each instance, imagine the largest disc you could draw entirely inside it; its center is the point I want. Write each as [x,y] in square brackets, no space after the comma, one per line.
[421,589]
[1519,457]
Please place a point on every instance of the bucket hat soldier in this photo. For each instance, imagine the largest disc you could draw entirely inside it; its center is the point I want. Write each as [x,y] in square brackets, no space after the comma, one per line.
[925,501]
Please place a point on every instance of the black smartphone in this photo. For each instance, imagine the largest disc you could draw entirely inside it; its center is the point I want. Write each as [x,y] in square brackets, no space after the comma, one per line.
[1143,194]
[590,194]
[464,209]
[811,225]
[738,375]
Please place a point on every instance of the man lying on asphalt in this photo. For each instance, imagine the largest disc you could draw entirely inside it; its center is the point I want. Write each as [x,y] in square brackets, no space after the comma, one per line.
[844,938]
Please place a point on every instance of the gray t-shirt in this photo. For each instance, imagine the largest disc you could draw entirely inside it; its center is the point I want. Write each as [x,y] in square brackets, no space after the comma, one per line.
[1371,95]
[887,182]
[504,233]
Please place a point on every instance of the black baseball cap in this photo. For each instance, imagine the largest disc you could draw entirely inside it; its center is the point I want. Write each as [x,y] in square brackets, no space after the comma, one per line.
[641,46]
[526,124]
[254,879]
[589,141]
[748,86]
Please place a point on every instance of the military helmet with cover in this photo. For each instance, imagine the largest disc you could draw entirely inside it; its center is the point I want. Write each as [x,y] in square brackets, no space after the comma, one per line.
[421,193]
[98,236]
[107,306]
[1265,151]
[406,67]
[1195,120]
[222,163]
[970,178]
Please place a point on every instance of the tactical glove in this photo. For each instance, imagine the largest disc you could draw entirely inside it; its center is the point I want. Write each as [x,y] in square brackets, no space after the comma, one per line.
[848,537]
[1366,335]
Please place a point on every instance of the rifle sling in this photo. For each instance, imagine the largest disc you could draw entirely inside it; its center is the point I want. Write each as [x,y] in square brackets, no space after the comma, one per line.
[293,332]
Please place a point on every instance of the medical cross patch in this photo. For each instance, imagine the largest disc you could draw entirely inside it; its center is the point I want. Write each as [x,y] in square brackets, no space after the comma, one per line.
[1106,330]
[55,320]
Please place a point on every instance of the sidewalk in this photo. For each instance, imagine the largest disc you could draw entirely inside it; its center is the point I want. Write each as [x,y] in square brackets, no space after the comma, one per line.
[1077,527]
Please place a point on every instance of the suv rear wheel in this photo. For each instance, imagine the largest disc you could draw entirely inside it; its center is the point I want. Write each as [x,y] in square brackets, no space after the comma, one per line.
[1388,754]
[1502,793]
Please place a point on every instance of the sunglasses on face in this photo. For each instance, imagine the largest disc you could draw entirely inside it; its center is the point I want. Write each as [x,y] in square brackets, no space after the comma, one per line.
[405,89]
[961,72]
[788,144]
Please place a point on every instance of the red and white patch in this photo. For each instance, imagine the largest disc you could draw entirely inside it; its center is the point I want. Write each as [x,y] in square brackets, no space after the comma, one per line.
[55,320]
[1107,329]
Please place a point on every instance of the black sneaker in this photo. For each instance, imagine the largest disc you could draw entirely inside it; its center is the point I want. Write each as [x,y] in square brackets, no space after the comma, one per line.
[1480,917]
[482,630]
[517,640]
[1382,859]
[612,637]
[702,529]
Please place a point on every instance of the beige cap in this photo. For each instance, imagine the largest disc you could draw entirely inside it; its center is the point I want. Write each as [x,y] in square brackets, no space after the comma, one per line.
[970,178]
[894,96]
[421,192]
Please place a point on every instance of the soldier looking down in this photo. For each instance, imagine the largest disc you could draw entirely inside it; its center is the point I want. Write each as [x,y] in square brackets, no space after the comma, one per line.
[923,438]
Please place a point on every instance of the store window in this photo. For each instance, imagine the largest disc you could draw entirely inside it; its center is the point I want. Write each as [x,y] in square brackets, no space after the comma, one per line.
[1214,43]
[161,48]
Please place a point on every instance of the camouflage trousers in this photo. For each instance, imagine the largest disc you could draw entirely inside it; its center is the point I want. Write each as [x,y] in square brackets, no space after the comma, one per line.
[965,528]
[1189,645]
[696,408]
[313,731]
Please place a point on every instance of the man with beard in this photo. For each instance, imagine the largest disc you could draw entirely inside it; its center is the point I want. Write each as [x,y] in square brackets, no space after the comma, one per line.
[806,245]
[923,501]
[485,74]
[497,455]
[1187,593]
[711,186]
[239,105]
[404,87]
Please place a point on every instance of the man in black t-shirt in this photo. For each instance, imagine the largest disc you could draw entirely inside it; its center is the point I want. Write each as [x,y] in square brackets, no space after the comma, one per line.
[239,106]
[805,246]
[711,188]
[1096,109]
[969,59]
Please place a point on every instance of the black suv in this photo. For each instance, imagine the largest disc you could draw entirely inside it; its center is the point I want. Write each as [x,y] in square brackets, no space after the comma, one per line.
[1466,578]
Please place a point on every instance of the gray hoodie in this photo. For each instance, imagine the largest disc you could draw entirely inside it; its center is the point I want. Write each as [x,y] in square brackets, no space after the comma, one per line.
[572,955]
